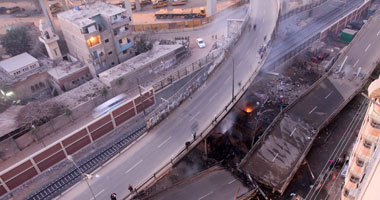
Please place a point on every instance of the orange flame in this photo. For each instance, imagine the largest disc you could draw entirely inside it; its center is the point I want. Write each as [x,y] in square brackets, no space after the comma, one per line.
[248,109]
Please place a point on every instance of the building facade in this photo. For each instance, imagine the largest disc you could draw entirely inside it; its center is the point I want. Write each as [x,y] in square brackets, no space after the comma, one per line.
[98,35]
[363,177]
[19,65]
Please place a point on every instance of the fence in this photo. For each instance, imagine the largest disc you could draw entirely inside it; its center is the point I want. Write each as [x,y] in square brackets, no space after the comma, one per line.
[301,9]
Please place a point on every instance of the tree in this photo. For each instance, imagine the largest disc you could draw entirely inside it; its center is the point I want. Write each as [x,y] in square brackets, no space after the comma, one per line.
[17,41]
[142,44]
[37,113]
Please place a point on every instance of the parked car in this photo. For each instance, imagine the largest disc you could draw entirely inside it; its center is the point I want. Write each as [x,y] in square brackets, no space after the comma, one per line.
[13,10]
[201,43]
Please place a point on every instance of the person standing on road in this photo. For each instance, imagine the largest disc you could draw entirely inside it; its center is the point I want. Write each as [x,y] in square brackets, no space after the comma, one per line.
[113,196]
[130,188]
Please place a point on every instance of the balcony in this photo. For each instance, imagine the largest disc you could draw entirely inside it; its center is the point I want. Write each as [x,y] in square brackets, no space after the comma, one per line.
[122,22]
[121,47]
[363,152]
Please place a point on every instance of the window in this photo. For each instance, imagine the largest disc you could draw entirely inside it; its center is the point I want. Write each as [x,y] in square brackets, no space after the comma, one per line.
[93,41]
[109,53]
[345,192]
[359,162]
[354,179]
[367,144]
[42,85]
[125,52]
[106,40]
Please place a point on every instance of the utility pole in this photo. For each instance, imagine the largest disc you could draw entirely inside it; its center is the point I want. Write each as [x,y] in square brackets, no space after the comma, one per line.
[142,97]
[84,175]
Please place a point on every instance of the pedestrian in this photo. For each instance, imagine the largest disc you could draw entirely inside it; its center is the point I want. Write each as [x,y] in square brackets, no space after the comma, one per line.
[212,37]
[194,135]
[113,196]
[216,36]
[130,188]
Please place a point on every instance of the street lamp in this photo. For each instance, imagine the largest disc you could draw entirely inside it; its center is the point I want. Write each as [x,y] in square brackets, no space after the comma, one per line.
[84,175]
[233,73]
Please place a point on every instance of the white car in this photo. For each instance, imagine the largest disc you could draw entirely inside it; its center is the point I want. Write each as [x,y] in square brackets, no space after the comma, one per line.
[201,43]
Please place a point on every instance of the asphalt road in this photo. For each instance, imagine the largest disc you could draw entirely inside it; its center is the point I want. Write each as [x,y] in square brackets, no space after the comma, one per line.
[324,16]
[212,184]
[166,140]
[274,159]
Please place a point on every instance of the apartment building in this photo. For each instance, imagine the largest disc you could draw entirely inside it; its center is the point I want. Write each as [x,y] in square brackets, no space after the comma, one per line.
[363,177]
[98,34]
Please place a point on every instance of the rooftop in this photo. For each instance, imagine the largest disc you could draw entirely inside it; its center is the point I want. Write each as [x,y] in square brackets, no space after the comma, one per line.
[81,94]
[82,16]
[17,62]
[136,63]
[65,69]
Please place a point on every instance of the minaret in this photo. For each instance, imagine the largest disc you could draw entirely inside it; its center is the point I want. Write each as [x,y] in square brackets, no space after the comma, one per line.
[49,38]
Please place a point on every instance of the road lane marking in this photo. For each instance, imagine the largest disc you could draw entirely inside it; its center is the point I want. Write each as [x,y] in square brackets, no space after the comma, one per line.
[275,157]
[311,111]
[293,132]
[327,96]
[212,98]
[134,166]
[378,33]
[97,194]
[159,146]
[191,119]
[356,63]
[231,181]
[202,197]
[366,49]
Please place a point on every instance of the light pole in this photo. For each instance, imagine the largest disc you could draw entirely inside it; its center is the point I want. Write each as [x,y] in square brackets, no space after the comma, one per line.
[84,175]
[233,73]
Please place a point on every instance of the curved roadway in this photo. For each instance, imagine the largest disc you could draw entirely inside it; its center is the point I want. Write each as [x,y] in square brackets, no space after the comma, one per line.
[163,142]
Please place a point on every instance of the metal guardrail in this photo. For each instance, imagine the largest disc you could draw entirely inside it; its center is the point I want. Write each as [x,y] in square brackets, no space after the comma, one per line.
[93,162]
